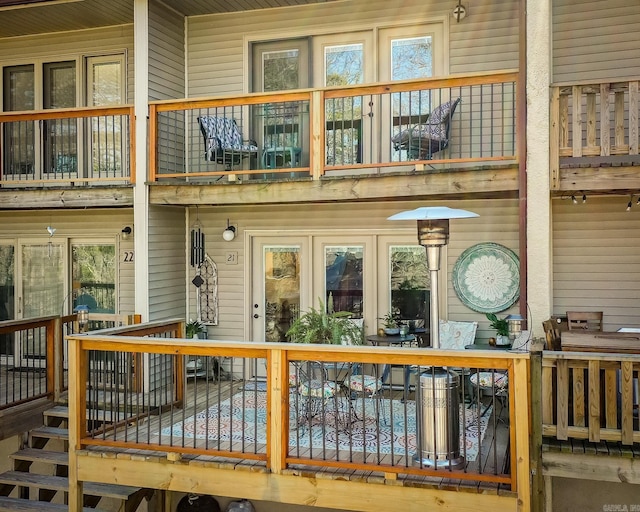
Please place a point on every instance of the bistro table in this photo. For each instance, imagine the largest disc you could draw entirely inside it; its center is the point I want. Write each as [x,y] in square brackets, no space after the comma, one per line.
[387,341]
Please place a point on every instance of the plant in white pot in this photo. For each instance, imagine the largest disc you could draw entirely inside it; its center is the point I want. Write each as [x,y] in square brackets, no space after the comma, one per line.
[501,325]
[194,328]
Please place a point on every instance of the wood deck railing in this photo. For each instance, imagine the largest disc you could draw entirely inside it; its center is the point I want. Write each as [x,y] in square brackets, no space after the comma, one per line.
[590,395]
[91,145]
[33,362]
[336,131]
[166,359]
[592,119]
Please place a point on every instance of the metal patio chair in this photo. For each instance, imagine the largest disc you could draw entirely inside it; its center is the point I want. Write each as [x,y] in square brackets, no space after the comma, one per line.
[223,142]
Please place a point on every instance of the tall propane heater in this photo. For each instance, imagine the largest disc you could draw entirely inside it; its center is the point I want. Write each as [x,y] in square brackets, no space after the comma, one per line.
[438,399]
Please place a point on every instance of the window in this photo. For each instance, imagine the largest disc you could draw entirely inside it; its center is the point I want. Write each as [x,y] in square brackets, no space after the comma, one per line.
[409,284]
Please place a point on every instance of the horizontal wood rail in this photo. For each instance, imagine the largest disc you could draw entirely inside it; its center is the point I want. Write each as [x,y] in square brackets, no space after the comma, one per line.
[595,120]
[588,395]
[160,434]
[316,132]
[88,145]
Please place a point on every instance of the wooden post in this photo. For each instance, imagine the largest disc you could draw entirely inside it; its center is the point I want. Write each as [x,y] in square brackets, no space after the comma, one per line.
[537,482]
[77,420]
[317,154]
[278,411]
[58,358]
[520,397]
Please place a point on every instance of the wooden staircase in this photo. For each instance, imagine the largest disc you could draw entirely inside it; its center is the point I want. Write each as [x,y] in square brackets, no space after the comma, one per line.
[39,479]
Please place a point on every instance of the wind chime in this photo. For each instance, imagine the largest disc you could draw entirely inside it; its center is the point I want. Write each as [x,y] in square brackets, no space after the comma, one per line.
[197,258]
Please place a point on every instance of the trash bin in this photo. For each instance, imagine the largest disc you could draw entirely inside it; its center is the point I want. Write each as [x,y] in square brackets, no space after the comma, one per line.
[438,420]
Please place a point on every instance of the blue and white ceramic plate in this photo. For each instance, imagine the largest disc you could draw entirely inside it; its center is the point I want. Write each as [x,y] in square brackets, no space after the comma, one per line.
[486,277]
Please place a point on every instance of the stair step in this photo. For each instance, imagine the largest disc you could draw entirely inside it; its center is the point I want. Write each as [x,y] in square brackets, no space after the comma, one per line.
[47,456]
[20,505]
[58,411]
[61,483]
[50,433]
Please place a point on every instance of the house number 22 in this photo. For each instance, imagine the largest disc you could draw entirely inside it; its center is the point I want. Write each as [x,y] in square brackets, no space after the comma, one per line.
[128,257]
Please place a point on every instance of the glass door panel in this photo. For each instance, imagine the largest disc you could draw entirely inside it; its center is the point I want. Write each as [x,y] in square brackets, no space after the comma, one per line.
[405,54]
[60,136]
[409,285]
[42,291]
[109,137]
[340,61]
[19,136]
[7,296]
[344,280]
[282,290]
[94,277]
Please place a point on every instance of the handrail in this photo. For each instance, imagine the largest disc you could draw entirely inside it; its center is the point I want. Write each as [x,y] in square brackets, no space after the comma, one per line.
[593,119]
[66,137]
[336,127]
[589,395]
[278,357]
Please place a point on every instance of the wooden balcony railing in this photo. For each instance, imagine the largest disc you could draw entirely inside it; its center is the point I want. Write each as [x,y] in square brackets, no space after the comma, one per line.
[594,121]
[87,146]
[202,398]
[33,361]
[334,131]
[592,396]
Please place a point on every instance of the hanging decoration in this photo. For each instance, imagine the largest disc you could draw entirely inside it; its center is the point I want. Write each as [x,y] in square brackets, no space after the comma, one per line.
[197,243]
[207,295]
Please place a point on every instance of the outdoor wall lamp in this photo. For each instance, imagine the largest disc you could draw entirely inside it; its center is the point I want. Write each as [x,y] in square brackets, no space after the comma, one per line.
[229,233]
[515,325]
[126,232]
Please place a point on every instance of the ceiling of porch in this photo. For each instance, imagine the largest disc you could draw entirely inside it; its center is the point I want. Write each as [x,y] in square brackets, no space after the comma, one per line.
[29,17]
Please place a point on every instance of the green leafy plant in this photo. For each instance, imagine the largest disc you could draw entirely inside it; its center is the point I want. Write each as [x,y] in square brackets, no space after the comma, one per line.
[194,327]
[501,325]
[389,321]
[320,326]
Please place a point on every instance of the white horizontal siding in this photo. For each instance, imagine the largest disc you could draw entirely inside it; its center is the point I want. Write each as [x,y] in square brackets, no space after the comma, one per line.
[487,39]
[596,259]
[166,53]
[167,260]
[498,222]
[71,224]
[594,39]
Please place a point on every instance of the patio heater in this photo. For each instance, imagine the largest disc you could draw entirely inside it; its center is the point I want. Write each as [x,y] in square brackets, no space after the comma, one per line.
[437,396]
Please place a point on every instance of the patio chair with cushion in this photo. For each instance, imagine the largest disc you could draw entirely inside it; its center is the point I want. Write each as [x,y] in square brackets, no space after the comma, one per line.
[223,142]
[424,140]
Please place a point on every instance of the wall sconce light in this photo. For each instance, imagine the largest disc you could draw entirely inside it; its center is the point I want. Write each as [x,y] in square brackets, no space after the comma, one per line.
[515,325]
[459,12]
[229,233]
[82,311]
[126,232]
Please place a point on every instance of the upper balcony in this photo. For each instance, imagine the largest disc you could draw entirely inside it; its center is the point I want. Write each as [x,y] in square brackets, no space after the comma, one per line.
[74,157]
[594,137]
[395,139]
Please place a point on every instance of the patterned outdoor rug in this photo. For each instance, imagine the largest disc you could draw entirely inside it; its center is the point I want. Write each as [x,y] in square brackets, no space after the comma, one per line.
[395,434]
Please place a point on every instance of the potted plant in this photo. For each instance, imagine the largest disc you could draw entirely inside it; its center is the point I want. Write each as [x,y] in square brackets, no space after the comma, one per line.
[321,326]
[194,328]
[501,325]
[390,324]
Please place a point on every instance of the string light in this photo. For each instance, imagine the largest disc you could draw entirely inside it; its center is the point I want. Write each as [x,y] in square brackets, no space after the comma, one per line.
[629,203]
[574,200]
[584,198]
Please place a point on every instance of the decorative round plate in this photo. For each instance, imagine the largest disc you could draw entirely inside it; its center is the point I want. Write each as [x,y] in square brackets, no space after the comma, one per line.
[486,277]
